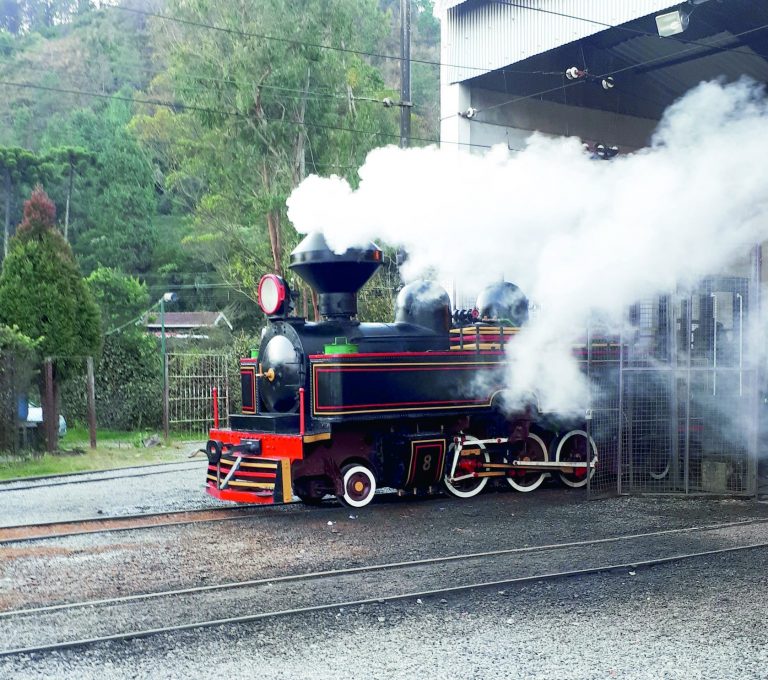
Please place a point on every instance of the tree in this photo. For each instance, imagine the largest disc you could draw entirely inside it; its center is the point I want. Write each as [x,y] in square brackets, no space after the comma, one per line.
[114,181]
[265,112]
[17,166]
[120,297]
[43,293]
[75,159]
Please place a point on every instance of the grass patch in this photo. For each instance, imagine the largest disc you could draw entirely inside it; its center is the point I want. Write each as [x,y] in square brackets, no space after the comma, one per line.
[114,450]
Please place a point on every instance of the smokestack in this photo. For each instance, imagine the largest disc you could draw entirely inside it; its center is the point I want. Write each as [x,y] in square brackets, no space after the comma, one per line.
[336,278]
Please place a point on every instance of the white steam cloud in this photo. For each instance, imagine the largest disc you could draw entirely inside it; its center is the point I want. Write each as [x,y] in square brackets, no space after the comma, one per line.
[577,235]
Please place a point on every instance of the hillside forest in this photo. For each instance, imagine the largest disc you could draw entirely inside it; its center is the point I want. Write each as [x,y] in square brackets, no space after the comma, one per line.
[147,147]
[168,133]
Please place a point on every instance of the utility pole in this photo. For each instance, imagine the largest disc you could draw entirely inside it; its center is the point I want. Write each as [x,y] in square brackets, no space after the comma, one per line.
[405,73]
[167,297]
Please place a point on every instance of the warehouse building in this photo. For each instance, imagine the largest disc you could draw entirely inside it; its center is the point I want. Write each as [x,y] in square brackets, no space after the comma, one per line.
[685,417]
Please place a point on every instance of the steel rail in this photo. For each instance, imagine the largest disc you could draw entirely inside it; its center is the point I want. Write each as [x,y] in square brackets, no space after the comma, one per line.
[59,475]
[249,618]
[123,518]
[46,485]
[375,567]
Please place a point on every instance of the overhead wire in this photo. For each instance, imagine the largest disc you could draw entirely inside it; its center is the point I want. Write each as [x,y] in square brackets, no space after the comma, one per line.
[294,41]
[299,94]
[695,44]
[280,39]
[177,106]
[620,70]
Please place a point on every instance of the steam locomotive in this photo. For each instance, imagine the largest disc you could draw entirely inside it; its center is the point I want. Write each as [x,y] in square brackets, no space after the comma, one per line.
[342,407]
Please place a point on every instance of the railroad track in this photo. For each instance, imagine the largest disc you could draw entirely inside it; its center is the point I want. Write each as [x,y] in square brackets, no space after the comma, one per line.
[24,533]
[80,624]
[22,484]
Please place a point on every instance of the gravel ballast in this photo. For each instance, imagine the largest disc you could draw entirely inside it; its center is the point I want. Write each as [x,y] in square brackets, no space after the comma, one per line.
[700,619]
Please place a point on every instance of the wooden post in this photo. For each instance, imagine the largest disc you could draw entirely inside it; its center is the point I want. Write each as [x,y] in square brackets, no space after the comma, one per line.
[91,401]
[50,423]
[166,397]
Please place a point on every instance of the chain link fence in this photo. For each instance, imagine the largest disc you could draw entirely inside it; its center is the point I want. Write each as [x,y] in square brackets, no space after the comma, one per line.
[13,391]
[679,411]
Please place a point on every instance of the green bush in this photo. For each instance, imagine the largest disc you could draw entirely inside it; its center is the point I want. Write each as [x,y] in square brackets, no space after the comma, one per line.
[129,385]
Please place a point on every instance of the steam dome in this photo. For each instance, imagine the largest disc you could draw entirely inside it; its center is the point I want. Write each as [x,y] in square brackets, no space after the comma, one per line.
[426,304]
[503,301]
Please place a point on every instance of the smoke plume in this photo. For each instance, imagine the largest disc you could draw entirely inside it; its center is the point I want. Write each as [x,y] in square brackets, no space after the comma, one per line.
[577,235]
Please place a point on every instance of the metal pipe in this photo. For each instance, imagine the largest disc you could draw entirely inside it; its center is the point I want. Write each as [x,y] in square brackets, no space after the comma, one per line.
[741,343]
[619,469]
[405,72]
[714,343]
[235,467]
[688,349]
[215,395]
[301,410]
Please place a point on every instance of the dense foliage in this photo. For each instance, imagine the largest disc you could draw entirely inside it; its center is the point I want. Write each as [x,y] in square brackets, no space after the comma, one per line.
[192,195]
[169,147]
[129,384]
[120,297]
[42,291]
[114,198]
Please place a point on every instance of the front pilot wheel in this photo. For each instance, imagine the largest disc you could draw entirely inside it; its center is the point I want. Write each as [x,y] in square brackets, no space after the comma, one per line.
[358,484]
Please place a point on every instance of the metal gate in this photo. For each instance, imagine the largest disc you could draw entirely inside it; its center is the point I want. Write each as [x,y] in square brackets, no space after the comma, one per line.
[191,381]
[679,411]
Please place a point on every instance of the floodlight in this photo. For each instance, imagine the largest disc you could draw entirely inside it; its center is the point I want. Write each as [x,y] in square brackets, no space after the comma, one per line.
[672,23]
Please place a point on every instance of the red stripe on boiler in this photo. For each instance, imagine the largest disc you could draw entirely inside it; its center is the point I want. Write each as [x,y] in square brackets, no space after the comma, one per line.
[381,355]
[460,402]
[390,369]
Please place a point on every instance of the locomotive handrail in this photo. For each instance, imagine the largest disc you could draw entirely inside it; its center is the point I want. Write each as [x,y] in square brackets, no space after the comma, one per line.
[301,412]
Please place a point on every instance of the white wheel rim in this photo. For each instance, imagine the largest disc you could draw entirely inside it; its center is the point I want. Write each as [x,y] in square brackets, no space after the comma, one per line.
[534,485]
[481,485]
[563,477]
[359,469]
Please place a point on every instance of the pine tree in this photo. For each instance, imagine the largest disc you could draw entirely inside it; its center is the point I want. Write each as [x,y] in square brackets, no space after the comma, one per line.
[43,293]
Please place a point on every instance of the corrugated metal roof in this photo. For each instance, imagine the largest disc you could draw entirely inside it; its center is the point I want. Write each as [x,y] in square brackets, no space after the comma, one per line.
[678,77]
[480,36]
[650,72]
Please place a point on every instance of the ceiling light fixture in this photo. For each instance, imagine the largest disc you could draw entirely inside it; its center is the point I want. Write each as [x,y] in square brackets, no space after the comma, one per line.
[672,23]
[675,22]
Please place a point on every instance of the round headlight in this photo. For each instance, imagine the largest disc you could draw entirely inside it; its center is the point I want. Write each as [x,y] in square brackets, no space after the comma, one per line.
[272,293]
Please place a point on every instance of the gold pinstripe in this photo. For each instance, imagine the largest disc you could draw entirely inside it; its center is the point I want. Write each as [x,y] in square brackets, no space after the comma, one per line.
[399,409]
[254,485]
